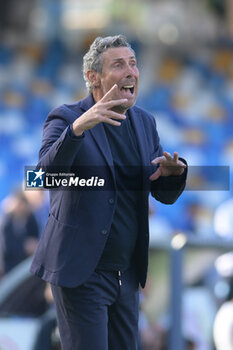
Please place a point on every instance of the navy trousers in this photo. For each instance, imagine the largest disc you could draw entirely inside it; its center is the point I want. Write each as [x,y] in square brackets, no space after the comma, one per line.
[101,314]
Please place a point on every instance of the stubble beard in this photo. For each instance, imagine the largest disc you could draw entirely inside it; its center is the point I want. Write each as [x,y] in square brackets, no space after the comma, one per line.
[122,109]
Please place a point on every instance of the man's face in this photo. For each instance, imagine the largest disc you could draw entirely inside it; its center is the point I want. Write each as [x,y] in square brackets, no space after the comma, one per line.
[119,67]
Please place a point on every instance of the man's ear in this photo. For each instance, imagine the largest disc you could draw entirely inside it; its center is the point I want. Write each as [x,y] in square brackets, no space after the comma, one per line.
[94,78]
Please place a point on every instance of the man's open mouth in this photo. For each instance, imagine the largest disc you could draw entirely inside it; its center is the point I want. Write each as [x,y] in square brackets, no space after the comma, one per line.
[128,88]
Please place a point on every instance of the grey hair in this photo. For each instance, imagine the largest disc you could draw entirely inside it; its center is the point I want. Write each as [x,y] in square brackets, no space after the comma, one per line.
[92,60]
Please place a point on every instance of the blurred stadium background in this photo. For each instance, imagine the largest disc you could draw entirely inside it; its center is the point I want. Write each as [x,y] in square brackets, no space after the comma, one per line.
[185,56]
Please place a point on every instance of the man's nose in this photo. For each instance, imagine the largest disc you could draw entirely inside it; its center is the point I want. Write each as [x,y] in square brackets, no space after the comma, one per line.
[129,70]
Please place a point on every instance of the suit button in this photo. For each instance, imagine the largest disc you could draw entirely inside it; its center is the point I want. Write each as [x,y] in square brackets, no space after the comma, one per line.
[111,200]
[104,231]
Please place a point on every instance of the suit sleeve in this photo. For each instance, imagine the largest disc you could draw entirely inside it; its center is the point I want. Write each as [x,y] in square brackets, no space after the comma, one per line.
[166,189]
[59,144]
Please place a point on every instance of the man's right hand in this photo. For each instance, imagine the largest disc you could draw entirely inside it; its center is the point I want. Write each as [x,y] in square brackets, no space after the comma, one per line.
[100,113]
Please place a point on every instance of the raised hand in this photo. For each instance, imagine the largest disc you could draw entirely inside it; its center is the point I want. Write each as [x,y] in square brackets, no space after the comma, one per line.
[168,165]
[101,112]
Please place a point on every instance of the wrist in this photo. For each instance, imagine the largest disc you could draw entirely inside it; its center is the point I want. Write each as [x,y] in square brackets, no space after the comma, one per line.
[77,130]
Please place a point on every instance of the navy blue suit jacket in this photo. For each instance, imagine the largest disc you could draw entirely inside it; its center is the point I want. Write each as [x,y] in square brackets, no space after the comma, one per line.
[79,221]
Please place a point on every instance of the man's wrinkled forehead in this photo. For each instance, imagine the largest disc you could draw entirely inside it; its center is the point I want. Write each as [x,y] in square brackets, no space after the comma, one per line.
[122,53]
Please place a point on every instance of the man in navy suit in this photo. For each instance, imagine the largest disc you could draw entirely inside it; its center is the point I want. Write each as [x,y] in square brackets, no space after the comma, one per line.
[94,250]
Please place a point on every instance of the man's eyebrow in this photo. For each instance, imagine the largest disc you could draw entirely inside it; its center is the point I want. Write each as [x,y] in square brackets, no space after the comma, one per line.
[122,59]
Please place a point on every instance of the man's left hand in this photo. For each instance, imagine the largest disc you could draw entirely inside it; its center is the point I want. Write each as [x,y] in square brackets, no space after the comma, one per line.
[168,165]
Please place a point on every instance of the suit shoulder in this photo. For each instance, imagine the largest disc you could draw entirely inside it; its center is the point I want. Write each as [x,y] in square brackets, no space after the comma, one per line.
[68,112]
[67,108]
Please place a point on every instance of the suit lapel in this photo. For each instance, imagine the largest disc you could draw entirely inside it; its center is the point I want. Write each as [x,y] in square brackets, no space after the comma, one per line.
[99,135]
[140,134]
[141,137]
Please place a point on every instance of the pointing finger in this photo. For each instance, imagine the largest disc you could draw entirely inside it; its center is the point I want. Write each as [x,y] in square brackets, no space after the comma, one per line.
[113,92]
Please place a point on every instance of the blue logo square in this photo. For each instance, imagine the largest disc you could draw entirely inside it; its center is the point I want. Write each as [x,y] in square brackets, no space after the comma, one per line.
[34,179]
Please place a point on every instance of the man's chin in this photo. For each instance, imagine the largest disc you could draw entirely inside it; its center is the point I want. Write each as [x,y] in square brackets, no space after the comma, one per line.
[124,107]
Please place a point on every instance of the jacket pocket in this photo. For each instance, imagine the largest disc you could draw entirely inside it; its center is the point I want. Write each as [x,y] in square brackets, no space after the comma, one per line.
[56,245]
